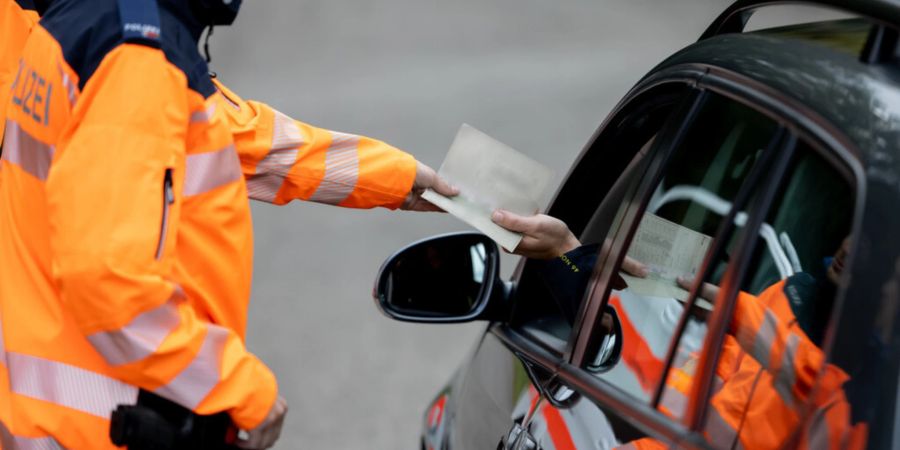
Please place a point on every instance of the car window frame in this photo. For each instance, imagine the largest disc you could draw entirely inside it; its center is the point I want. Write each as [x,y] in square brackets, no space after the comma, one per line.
[649,417]
[801,123]
[535,352]
[530,348]
[827,142]
[676,79]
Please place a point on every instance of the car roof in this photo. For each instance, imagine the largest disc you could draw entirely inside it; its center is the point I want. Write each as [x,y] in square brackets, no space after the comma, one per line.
[860,100]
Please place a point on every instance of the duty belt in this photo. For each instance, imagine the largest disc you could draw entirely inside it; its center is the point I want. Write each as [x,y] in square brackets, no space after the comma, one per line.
[155,423]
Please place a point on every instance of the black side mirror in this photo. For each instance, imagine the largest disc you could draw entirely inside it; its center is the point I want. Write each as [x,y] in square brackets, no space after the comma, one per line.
[443,279]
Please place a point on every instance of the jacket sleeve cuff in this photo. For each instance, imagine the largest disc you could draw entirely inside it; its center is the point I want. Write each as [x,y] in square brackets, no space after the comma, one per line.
[249,415]
[406,176]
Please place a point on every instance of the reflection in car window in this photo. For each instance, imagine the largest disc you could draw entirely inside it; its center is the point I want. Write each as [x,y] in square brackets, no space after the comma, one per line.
[771,358]
[702,178]
[538,311]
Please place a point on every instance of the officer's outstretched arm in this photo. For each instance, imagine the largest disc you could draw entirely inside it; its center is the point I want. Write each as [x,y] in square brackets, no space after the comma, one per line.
[114,204]
[284,159]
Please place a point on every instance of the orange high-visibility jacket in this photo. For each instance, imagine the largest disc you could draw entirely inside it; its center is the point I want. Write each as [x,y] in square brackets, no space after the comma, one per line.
[15,26]
[793,372]
[125,234]
[767,375]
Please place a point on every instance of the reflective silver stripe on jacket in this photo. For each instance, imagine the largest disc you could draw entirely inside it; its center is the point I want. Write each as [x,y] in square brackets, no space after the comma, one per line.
[274,167]
[207,171]
[66,385]
[762,345]
[818,431]
[26,151]
[674,401]
[194,383]
[204,115]
[787,376]
[719,432]
[341,170]
[13,442]
[140,338]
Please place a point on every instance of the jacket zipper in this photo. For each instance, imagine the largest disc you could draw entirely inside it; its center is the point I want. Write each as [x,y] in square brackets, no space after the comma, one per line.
[168,199]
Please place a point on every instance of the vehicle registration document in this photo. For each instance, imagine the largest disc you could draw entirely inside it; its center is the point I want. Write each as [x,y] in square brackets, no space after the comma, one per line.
[668,250]
[490,175]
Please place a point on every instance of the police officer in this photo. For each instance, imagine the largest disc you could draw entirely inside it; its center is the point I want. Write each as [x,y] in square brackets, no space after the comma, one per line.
[99,306]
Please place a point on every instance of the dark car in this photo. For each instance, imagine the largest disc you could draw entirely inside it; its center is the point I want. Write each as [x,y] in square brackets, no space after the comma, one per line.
[765,165]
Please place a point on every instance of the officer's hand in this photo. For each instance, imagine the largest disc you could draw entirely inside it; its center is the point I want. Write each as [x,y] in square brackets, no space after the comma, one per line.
[543,237]
[266,433]
[427,178]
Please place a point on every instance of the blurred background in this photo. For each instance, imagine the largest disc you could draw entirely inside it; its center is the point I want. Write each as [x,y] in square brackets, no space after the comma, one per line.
[538,75]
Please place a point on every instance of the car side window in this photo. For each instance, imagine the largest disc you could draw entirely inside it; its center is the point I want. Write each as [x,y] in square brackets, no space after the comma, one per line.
[616,148]
[685,206]
[771,370]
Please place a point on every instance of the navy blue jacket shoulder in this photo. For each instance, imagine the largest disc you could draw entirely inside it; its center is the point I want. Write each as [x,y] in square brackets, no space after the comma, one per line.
[88,31]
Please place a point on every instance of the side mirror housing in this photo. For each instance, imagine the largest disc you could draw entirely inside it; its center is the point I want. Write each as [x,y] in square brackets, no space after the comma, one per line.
[444,279]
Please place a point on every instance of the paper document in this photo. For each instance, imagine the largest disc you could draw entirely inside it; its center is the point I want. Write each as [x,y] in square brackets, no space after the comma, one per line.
[490,175]
[668,250]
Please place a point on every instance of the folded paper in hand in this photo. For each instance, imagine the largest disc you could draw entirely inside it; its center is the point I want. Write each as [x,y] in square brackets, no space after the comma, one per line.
[490,175]
[669,251]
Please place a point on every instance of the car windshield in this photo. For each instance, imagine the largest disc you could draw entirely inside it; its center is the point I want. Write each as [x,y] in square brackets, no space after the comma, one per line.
[846,35]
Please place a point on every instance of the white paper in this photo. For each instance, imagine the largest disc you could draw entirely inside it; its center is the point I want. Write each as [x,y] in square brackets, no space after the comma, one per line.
[650,287]
[490,175]
[669,251]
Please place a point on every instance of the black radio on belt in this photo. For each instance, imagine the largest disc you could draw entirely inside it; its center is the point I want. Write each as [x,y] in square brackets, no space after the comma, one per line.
[155,423]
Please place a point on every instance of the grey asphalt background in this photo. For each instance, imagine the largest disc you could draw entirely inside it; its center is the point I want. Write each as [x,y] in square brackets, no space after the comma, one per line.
[539,75]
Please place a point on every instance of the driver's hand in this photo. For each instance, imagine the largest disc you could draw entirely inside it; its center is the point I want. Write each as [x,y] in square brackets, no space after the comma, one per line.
[546,237]
[708,291]
[427,178]
[266,433]
[543,237]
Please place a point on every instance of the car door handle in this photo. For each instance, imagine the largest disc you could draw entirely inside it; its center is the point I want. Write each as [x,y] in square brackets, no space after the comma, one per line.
[518,438]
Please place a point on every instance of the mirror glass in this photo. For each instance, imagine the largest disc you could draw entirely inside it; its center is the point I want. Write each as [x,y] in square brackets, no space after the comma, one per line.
[442,277]
[609,348]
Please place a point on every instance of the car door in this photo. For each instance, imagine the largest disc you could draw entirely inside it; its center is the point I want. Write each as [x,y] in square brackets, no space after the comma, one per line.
[729,198]
[711,154]
[501,396]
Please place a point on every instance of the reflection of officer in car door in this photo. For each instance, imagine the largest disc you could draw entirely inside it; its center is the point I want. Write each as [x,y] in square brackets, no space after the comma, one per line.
[785,363]
[759,403]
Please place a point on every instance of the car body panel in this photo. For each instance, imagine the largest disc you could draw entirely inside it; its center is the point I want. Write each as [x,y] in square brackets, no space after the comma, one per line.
[494,381]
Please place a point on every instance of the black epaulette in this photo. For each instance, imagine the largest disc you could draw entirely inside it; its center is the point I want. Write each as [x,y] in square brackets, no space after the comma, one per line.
[140,22]
[27,5]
